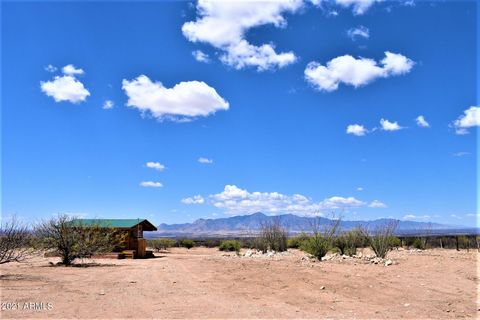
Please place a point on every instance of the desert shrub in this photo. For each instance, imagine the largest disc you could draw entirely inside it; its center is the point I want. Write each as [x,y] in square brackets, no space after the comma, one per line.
[348,242]
[464,242]
[418,243]
[230,245]
[296,242]
[162,243]
[321,239]
[15,241]
[187,243]
[72,240]
[211,243]
[273,236]
[395,242]
[379,238]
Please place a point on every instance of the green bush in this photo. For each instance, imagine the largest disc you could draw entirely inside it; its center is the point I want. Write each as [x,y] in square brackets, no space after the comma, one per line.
[418,244]
[162,244]
[321,239]
[187,243]
[348,242]
[395,242]
[317,245]
[379,238]
[296,242]
[230,245]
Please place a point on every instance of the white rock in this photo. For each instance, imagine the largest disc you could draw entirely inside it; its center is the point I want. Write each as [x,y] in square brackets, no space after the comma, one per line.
[388,262]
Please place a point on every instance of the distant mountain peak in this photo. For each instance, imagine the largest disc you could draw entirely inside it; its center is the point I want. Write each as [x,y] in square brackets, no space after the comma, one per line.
[252,223]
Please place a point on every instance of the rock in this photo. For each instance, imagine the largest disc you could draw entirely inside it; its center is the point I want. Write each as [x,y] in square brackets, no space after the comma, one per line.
[388,262]
[406,304]
[249,253]
[322,288]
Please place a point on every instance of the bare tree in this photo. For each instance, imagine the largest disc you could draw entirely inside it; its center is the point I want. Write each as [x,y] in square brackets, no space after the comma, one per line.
[70,239]
[14,241]
[380,237]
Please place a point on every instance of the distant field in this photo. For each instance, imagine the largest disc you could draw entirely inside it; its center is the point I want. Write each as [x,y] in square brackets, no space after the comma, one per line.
[206,283]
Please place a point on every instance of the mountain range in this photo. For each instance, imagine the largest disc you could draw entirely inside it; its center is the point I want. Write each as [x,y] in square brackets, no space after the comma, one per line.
[248,225]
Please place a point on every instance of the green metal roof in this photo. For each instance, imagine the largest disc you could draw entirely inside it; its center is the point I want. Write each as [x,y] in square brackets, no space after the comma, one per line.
[115,223]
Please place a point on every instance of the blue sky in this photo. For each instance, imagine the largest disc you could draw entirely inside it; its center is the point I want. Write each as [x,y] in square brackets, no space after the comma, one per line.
[108,107]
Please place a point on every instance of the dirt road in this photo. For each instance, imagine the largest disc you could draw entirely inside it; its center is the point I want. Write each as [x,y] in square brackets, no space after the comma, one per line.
[202,283]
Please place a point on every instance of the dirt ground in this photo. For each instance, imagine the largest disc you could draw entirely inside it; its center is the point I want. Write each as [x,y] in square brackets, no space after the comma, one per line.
[203,283]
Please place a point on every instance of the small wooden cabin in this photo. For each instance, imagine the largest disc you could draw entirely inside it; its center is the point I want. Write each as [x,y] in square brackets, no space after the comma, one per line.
[135,245]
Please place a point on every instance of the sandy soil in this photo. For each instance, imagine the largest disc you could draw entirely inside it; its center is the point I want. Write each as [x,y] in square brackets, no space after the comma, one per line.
[203,283]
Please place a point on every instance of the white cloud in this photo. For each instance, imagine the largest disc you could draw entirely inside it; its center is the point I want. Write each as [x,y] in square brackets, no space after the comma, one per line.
[70,70]
[65,88]
[223,24]
[359,189]
[151,184]
[50,68]
[358,32]
[470,118]
[461,154]
[377,204]
[358,6]
[198,199]
[389,126]
[416,217]
[234,200]
[200,56]
[355,72]
[155,165]
[205,160]
[356,129]
[108,104]
[421,122]
[455,216]
[184,101]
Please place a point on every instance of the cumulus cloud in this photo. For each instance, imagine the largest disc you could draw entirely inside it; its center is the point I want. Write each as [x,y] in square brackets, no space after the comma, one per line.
[223,24]
[377,204]
[421,122]
[357,130]
[416,217]
[470,118]
[70,70]
[358,6]
[205,160]
[355,72]
[65,88]
[200,56]
[108,104]
[155,165]
[234,200]
[151,184]
[358,32]
[389,126]
[186,100]
[198,199]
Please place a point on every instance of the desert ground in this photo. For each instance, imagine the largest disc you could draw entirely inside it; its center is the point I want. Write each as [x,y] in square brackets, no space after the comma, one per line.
[206,283]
